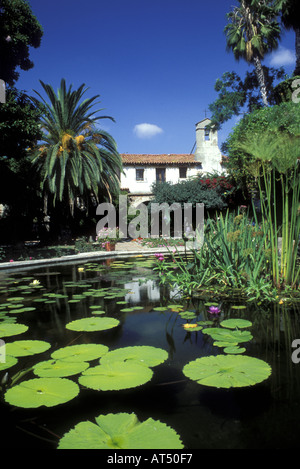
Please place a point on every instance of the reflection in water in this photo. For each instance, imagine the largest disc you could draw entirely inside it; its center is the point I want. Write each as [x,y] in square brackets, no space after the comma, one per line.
[261,416]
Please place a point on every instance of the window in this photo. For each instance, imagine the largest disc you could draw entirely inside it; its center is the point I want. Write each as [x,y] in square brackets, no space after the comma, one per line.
[182,172]
[139,174]
[206,134]
[160,174]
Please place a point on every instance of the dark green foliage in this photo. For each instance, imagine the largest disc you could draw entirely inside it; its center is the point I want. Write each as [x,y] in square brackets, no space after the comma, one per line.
[214,192]
[236,95]
[284,117]
[19,190]
[19,30]
[19,127]
[284,91]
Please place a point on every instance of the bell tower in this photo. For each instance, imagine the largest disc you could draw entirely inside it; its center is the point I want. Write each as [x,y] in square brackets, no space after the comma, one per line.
[207,150]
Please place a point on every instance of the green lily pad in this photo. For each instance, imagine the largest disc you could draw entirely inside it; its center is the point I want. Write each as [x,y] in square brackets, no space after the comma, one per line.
[9,329]
[187,315]
[226,371]
[115,376]
[141,354]
[16,311]
[236,323]
[16,298]
[92,324]
[39,392]
[22,348]
[59,368]
[234,349]
[82,352]
[8,363]
[121,431]
[225,344]
[238,307]
[176,307]
[229,336]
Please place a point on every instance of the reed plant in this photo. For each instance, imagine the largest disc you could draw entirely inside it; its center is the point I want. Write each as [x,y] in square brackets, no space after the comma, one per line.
[239,249]
[233,256]
[277,157]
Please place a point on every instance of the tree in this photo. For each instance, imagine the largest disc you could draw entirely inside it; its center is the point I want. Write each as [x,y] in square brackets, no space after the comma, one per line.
[19,128]
[77,162]
[237,95]
[253,31]
[19,30]
[282,120]
[290,16]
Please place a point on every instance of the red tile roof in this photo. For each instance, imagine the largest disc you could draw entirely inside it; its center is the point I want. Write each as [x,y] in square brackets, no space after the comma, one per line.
[168,159]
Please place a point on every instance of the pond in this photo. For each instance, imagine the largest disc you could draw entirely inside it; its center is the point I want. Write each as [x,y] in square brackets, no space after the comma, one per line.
[48,302]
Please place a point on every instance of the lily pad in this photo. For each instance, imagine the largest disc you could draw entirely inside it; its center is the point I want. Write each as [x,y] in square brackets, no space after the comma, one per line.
[187,315]
[9,329]
[59,368]
[92,324]
[9,362]
[22,348]
[39,392]
[236,323]
[229,336]
[121,431]
[82,352]
[226,371]
[141,354]
[115,375]
[234,349]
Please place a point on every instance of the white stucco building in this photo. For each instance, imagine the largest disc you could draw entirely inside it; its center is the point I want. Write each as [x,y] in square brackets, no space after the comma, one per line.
[141,171]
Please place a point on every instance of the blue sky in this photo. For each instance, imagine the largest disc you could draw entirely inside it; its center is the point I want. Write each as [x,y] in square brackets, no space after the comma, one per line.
[154,64]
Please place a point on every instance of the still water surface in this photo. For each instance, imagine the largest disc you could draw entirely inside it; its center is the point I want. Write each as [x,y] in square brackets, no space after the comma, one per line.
[266,415]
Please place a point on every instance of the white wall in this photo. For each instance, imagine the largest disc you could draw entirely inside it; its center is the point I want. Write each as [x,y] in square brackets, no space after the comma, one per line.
[128,180]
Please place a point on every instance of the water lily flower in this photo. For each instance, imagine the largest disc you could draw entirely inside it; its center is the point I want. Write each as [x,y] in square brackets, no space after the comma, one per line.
[35,282]
[189,326]
[214,310]
[80,269]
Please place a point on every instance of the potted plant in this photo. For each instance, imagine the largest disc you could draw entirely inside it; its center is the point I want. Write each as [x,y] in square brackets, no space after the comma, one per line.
[108,237]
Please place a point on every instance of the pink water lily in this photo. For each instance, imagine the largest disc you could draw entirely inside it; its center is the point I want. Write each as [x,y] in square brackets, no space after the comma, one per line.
[214,310]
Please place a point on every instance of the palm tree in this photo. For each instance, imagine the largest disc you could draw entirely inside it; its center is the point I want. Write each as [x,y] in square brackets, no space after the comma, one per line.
[77,161]
[252,32]
[290,16]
